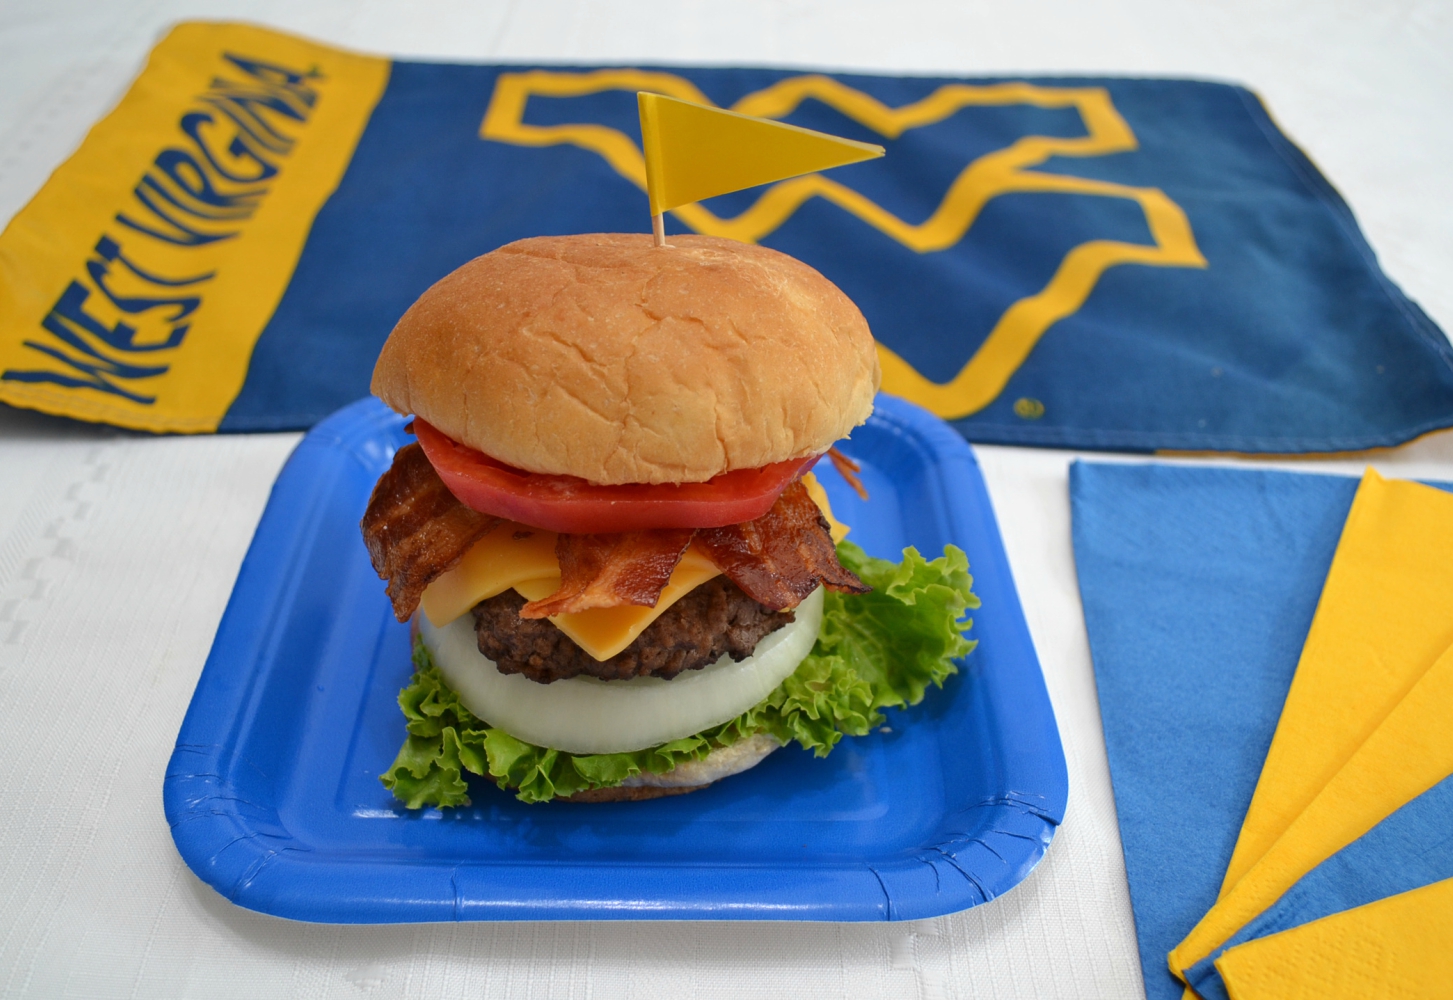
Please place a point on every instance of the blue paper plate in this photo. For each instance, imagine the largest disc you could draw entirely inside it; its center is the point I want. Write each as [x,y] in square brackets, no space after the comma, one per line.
[273,794]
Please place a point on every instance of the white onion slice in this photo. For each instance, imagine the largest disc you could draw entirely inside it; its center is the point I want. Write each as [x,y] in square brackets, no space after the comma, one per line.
[584,715]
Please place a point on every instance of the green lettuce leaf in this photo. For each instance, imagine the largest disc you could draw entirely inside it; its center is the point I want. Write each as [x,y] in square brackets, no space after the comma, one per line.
[874,651]
[906,634]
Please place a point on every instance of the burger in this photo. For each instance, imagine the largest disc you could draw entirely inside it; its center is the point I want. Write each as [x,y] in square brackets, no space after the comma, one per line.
[624,578]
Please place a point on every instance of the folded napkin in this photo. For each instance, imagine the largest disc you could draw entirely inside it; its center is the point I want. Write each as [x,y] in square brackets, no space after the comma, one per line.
[1366,723]
[1398,948]
[1199,587]
[1383,616]
[1410,849]
[1411,751]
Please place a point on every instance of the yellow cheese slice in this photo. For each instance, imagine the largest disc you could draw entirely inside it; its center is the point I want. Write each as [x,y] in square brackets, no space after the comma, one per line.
[604,632]
[508,554]
[819,496]
[518,556]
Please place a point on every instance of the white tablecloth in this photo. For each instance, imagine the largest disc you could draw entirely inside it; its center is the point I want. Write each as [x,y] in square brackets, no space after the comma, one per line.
[118,551]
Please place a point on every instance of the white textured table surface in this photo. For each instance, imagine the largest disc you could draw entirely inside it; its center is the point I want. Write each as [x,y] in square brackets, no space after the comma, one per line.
[118,552]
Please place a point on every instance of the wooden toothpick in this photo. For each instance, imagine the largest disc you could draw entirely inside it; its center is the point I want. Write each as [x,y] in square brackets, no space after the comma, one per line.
[658,228]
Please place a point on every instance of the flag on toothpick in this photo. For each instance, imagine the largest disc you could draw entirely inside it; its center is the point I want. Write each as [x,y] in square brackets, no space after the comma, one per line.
[695,152]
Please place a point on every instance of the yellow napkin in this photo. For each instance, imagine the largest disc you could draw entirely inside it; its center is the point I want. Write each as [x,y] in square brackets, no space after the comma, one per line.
[1386,612]
[1400,948]
[1383,617]
[1407,754]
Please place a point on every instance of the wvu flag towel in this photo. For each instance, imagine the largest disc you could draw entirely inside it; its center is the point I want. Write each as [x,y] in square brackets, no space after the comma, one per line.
[1099,263]
[135,286]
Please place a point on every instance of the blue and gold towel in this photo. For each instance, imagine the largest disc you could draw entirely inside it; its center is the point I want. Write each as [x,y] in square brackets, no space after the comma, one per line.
[1100,263]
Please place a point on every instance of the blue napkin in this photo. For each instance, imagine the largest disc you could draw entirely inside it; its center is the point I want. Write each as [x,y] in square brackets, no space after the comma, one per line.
[1411,848]
[1199,586]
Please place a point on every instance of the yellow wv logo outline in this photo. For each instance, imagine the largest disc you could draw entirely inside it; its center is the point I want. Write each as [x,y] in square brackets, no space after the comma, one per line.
[1002,171]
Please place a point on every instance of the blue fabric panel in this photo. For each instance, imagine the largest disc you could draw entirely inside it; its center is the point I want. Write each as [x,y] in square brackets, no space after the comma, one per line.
[1290,340]
[1410,849]
[1199,586]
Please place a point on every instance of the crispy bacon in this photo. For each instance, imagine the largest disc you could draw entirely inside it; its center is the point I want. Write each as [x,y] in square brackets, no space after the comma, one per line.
[782,556]
[415,529]
[606,571]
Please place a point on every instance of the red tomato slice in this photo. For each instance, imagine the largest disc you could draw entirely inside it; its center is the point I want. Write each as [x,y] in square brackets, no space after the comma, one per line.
[570,504]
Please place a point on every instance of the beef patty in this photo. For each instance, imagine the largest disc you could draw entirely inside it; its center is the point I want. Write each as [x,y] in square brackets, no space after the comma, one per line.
[713,619]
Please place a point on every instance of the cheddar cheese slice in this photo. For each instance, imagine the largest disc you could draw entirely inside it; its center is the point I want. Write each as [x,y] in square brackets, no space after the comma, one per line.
[518,556]
[836,528]
[508,554]
[604,632]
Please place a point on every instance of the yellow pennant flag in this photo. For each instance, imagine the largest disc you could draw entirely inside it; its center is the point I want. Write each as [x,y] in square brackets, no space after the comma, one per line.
[695,152]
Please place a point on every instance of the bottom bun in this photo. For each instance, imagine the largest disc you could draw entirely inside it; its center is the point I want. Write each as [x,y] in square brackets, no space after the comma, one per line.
[620,793]
[688,776]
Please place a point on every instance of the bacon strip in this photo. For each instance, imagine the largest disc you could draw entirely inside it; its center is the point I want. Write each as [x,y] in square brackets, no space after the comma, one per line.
[606,571]
[415,529]
[782,556]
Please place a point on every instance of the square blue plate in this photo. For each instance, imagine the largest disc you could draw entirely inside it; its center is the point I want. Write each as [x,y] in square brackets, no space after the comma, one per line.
[273,794]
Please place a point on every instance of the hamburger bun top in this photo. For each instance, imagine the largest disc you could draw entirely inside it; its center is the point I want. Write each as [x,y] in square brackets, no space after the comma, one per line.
[605,357]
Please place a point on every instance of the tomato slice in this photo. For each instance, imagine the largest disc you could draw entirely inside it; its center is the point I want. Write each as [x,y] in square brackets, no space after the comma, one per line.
[570,504]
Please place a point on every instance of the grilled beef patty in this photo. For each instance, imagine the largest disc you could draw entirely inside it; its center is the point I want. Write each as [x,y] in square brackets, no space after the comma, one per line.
[713,619]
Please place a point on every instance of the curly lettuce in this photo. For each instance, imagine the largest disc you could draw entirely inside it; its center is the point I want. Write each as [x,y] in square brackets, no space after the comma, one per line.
[874,651]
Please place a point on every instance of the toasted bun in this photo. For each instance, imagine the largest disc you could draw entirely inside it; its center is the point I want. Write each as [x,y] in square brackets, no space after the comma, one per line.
[608,358]
[689,776]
